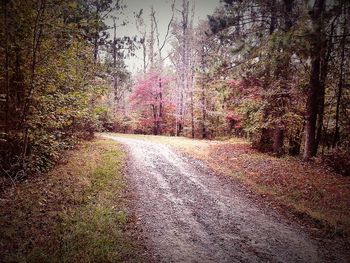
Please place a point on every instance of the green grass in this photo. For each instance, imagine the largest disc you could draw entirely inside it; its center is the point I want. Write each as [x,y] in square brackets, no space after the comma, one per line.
[93,231]
[85,218]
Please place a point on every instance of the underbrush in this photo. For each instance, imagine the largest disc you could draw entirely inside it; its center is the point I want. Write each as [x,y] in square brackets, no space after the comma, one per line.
[338,159]
[79,212]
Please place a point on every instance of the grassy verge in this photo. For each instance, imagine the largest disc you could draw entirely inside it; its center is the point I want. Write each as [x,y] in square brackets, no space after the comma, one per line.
[77,213]
[307,188]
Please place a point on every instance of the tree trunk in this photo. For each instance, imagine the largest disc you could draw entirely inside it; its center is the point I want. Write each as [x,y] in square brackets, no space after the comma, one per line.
[37,32]
[180,116]
[96,47]
[155,126]
[184,63]
[273,19]
[294,145]
[160,114]
[96,36]
[336,136]
[114,44]
[323,79]
[314,84]
[311,110]
[192,116]
[265,143]
[7,86]
[204,114]
[278,141]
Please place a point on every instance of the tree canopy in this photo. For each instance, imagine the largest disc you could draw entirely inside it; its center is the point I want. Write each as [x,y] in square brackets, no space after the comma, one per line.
[275,72]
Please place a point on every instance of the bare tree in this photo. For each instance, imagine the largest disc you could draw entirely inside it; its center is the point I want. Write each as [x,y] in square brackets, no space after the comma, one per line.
[184,64]
[152,46]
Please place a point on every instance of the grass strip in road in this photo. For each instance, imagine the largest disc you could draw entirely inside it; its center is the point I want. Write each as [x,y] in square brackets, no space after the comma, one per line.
[79,212]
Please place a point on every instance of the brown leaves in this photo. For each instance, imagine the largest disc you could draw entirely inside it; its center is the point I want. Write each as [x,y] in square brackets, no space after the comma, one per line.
[308,187]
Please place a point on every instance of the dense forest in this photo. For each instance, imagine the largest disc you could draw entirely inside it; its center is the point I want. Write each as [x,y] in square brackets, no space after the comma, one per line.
[273,71]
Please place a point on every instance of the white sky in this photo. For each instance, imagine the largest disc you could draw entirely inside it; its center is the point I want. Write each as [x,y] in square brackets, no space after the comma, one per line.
[163,13]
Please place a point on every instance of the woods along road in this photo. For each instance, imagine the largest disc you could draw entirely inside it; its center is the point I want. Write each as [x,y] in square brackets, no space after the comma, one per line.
[188,214]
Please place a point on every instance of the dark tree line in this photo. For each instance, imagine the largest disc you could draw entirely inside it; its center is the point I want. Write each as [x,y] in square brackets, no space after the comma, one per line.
[52,75]
[296,54]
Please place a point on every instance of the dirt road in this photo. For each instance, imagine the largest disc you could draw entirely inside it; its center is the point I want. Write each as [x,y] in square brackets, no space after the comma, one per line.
[190,215]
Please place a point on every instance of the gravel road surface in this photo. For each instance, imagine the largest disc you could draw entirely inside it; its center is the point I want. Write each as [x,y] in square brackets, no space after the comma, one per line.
[188,214]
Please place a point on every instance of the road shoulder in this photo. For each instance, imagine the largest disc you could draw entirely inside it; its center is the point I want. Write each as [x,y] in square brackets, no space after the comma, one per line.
[79,212]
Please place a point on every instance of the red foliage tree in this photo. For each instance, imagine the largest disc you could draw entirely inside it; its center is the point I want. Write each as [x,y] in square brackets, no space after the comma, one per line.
[149,97]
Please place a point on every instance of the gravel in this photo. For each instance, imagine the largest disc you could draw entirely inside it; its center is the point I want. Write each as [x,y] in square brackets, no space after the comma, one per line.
[188,214]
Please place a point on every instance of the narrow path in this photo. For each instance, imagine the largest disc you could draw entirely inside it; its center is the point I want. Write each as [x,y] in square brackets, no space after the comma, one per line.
[191,215]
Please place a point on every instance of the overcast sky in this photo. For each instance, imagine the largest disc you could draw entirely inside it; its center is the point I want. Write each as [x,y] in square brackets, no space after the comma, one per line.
[163,13]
